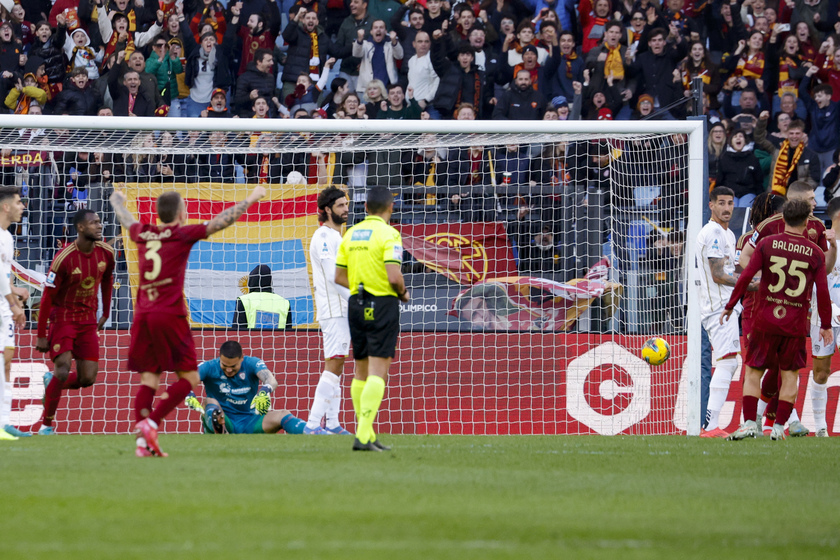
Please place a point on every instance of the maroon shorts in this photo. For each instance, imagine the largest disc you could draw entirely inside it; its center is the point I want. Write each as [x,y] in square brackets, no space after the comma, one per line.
[746,328]
[161,342]
[81,340]
[766,351]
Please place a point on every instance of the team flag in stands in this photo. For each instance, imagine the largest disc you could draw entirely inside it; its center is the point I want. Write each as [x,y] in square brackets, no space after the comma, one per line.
[275,232]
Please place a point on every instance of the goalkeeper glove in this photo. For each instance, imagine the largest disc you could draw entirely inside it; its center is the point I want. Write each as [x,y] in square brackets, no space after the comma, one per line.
[262,402]
[193,403]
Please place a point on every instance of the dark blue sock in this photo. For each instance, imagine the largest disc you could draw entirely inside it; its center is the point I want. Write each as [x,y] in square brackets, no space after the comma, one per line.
[292,425]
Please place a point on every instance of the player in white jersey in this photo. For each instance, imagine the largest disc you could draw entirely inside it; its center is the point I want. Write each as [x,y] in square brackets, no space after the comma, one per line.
[11,211]
[822,353]
[331,312]
[716,261]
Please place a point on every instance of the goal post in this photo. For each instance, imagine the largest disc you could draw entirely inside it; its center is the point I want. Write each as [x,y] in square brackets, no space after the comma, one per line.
[540,256]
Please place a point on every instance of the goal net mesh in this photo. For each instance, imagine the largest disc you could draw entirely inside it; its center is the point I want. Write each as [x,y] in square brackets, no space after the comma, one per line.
[538,265]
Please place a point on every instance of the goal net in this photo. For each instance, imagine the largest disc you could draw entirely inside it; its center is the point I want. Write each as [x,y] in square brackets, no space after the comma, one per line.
[540,256]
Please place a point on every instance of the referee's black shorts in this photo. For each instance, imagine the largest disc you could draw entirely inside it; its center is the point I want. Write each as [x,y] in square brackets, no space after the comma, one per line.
[374,325]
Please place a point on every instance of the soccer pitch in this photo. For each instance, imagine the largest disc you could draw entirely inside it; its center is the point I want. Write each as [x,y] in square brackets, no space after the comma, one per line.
[67,497]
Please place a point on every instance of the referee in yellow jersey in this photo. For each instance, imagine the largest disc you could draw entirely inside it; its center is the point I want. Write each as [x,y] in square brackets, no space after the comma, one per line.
[368,263]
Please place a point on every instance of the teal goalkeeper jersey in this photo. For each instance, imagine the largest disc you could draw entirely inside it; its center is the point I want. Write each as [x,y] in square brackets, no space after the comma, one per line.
[233,393]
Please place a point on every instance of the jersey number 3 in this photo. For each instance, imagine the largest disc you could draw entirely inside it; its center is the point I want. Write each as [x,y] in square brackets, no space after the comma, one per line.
[793,269]
[152,248]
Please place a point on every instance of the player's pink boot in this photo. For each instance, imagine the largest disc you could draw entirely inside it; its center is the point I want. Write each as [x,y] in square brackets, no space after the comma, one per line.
[145,429]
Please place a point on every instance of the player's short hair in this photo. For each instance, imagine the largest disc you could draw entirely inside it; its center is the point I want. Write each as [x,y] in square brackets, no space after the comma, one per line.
[720,191]
[799,187]
[168,206]
[7,193]
[765,205]
[824,88]
[231,349]
[379,199]
[832,208]
[798,124]
[796,212]
[326,199]
[81,215]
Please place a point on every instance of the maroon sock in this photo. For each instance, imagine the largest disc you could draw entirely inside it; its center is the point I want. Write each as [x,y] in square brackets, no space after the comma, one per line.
[750,407]
[52,396]
[783,412]
[72,381]
[172,397]
[772,406]
[143,402]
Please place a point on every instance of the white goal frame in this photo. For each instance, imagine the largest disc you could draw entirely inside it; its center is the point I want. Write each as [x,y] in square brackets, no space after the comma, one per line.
[694,129]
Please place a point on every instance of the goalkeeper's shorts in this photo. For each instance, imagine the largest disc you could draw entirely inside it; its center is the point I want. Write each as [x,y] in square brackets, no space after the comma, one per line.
[236,424]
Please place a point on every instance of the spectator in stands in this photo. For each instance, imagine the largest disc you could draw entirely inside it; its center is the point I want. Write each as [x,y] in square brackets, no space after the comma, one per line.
[831,178]
[459,83]
[259,33]
[137,62]
[24,93]
[129,98]
[406,31]
[792,160]
[306,92]
[375,94]
[784,69]
[806,42]
[596,104]
[78,97]
[114,31]
[725,28]
[740,170]
[749,103]
[339,89]
[593,21]
[396,108]
[829,70]
[514,45]
[563,67]
[79,52]
[50,48]
[165,64]
[218,166]
[468,181]
[521,101]
[139,165]
[486,57]
[257,81]
[653,69]
[218,106]
[309,48]
[608,59]
[378,55]
[421,74]
[349,108]
[435,15]
[211,11]
[698,64]
[824,116]
[348,34]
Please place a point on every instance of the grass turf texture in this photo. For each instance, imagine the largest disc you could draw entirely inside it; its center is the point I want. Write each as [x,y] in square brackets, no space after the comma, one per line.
[68,497]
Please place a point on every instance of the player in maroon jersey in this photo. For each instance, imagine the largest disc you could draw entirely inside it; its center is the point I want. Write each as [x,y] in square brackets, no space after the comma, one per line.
[69,304]
[790,266]
[160,334]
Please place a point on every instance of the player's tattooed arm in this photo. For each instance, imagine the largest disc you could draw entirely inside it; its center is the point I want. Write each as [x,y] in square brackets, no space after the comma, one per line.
[125,217]
[718,274]
[266,378]
[228,217]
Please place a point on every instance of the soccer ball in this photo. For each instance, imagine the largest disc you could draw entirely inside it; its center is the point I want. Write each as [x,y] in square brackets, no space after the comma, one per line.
[656,351]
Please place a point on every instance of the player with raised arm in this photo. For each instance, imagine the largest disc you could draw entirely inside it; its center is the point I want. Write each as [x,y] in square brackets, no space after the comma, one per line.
[816,232]
[790,265]
[716,259]
[69,304]
[11,211]
[331,308]
[238,400]
[764,206]
[822,353]
[160,334]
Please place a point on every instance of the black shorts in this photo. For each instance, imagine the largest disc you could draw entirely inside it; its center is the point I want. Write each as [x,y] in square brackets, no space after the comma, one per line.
[374,326]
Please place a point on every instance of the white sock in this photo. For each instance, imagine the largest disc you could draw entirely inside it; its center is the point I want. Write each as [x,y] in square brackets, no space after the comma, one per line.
[762,406]
[794,416]
[334,403]
[718,390]
[819,399]
[321,401]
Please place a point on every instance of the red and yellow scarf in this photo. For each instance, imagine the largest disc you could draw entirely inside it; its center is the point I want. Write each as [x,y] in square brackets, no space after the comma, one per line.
[751,67]
[784,166]
[314,51]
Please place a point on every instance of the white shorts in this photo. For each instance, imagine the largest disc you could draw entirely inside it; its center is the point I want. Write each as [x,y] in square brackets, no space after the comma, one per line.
[336,337]
[7,330]
[818,349]
[725,338]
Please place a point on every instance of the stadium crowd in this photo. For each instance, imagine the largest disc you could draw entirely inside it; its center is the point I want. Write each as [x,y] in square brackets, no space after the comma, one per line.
[770,74]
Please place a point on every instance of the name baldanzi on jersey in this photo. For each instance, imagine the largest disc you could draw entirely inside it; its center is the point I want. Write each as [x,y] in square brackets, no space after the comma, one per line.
[793,247]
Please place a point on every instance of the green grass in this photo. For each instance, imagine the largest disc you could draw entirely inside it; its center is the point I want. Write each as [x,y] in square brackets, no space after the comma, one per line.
[281,497]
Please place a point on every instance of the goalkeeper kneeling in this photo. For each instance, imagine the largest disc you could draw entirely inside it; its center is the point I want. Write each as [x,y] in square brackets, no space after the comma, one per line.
[238,400]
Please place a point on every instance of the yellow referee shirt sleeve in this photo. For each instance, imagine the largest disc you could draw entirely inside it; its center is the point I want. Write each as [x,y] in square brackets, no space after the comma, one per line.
[393,248]
[341,257]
